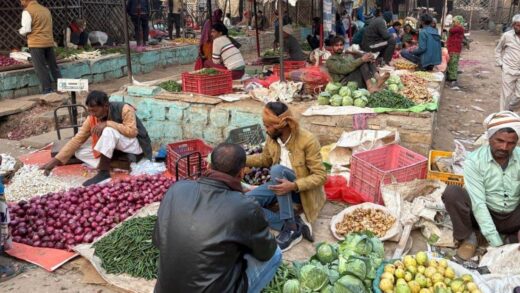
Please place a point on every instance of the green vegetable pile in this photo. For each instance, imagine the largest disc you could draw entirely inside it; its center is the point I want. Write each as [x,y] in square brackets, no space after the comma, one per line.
[349,266]
[337,95]
[394,84]
[271,53]
[233,32]
[62,53]
[206,71]
[389,99]
[171,86]
[129,249]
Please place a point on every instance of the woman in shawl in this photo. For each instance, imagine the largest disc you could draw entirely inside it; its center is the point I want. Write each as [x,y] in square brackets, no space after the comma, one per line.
[206,42]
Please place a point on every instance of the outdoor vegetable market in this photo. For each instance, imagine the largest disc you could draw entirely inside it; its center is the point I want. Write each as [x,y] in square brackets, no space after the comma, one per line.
[259,146]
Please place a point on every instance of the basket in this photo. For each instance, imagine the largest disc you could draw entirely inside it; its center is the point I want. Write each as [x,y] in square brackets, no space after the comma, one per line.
[288,66]
[369,169]
[448,178]
[187,158]
[211,85]
[250,135]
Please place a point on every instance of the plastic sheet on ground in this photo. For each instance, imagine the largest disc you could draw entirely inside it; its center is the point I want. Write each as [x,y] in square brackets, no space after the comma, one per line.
[419,203]
[47,258]
[319,110]
[427,107]
[126,282]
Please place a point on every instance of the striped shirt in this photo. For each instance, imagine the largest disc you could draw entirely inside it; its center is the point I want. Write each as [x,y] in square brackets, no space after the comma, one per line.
[224,52]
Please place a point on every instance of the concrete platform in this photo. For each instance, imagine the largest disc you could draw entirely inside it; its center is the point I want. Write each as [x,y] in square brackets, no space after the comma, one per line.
[10,107]
[42,140]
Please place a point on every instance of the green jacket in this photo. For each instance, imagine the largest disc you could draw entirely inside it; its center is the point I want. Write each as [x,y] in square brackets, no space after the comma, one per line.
[304,153]
[340,65]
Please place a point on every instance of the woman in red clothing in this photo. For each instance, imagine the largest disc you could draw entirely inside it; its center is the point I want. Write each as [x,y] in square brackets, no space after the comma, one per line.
[454,46]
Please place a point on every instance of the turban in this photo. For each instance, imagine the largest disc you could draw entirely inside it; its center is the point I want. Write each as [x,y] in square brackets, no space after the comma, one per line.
[501,120]
[279,122]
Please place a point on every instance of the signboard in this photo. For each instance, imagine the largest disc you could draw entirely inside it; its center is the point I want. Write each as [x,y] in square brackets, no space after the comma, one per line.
[72,85]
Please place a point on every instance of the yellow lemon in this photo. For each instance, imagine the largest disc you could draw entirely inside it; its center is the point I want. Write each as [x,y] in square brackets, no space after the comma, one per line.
[386,285]
[399,273]
[390,268]
[401,282]
[433,263]
[409,261]
[388,276]
[421,257]
[414,286]
[439,285]
[429,272]
[421,279]
[449,273]
[447,281]
[437,277]
[408,276]
[412,270]
[425,290]
[471,286]
[443,263]
[421,269]
[467,278]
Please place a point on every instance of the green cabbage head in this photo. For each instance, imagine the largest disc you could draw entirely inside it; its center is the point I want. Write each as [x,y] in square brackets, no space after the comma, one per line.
[322,100]
[393,79]
[292,286]
[326,253]
[393,87]
[336,100]
[361,102]
[352,85]
[313,278]
[344,91]
[349,284]
[347,101]
[333,88]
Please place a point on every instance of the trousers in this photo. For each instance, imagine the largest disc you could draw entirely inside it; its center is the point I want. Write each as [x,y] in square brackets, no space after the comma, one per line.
[510,94]
[361,75]
[44,61]
[259,273]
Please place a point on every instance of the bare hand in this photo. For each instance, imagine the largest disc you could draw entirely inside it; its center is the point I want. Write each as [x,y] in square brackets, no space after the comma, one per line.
[284,187]
[98,129]
[49,166]
[368,57]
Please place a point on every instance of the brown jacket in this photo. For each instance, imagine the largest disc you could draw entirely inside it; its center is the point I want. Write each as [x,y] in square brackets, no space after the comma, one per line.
[41,28]
[305,156]
[128,128]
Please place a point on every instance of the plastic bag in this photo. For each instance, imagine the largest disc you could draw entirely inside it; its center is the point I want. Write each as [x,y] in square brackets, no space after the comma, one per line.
[311,75]
[334,187]
[147,167]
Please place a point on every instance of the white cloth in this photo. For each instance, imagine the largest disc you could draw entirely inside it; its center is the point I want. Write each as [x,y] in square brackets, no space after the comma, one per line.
[507,53]
[501,120]
[109,141]
[26,23]
[285,160]
[448,20]
[227,22]
[510,92]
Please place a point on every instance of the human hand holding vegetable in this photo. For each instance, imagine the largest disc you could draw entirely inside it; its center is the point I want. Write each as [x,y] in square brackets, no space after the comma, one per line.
[49,166]
[284,187]
[98,129]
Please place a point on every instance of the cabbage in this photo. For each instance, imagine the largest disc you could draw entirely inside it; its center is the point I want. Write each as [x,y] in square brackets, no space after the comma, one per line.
[357,267]
[322,100]
[336,100]
[361,102]
[393,87]
[352,85]
[313,278]
[325,94]
[347,101]
[349,284]
[325,253]
[356,94]
[332,87]
[356,242]
[327,289]
[378,248]
[291,286]
[344,91]
[400,86]
[364,92]
[393,79]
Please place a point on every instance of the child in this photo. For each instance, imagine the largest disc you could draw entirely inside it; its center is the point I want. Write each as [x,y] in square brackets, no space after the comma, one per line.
[454,46]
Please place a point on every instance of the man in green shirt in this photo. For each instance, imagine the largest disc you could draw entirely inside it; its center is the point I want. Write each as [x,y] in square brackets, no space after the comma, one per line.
[344,68]
[491,198]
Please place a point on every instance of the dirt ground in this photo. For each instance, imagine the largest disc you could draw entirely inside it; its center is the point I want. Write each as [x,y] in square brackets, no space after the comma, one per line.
[460,117]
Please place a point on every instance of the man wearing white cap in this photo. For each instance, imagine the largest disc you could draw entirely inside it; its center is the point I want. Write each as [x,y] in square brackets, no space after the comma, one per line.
[507,54]
[291,45]
[490,199]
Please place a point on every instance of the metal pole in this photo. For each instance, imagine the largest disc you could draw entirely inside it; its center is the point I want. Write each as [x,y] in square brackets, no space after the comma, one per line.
[74,112]
[256,29]
[170,19]
[444,13]
[322,35]
[281,40]
[127,42]
[210,13]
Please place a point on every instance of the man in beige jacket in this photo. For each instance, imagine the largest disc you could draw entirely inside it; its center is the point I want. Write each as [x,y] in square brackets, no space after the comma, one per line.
[297,175]
[37,26]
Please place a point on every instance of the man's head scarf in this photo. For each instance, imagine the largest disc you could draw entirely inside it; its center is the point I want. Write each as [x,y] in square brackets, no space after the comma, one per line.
[501,120]
[279,122]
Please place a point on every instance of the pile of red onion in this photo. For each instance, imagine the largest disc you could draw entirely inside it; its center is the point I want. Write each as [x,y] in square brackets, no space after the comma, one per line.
[7,61]
[64,219]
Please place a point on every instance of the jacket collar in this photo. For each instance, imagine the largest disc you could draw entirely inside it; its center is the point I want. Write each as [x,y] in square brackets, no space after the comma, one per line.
[223,179]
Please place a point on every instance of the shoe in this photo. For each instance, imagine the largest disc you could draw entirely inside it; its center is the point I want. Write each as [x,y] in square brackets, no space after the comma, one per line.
[466,250]
[289,237]
[306,227]
[100,177]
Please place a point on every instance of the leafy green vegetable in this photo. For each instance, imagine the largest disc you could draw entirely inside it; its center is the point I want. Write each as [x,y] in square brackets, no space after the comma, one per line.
[313,278]
[332,88]
[291,286]
[323,101]
[352,85]
[326,253]
[283,274]
[361,102]
[393,79]
[233,32]
[349,284]
[389,99]
[347,101]
[393,87]
[336,100]
[171,86]
[206,71]
[344,91]
[357,267]
[327,289]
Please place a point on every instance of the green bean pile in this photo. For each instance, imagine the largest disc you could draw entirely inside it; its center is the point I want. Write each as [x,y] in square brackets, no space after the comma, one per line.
[129,249]
[282,275]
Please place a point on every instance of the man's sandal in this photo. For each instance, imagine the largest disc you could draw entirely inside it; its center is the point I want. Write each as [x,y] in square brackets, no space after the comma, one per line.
[9,272]
[466,250]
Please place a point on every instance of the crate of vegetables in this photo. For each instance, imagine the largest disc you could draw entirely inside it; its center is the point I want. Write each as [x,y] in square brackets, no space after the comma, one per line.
[187,158]
[256,175]
[207,81]
[372,168]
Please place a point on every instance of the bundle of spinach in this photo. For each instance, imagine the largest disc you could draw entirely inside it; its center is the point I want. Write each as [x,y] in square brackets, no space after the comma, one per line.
[389,99]
[171,86]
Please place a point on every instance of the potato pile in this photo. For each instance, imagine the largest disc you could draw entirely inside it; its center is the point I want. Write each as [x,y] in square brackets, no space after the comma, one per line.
[415,88]
[374,220]
[418,274]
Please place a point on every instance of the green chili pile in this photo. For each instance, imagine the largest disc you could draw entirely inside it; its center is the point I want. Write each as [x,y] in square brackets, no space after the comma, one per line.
[283,274]
[129,249]
[388,99]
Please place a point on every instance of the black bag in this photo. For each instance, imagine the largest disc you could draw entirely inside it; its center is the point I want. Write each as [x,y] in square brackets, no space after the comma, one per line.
[235,42]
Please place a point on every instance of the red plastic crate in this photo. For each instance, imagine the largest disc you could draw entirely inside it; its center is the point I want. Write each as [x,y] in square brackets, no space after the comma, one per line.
[288,66]
[211,85]
[369,168]
[188,167]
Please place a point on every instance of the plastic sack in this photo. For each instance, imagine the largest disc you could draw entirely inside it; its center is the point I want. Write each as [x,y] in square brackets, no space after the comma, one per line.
[311,75]
[334,187]
[147,167]
[394,230]
[444,63]
[97,37]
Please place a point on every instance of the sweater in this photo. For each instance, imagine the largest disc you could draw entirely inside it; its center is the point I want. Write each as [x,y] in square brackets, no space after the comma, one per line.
[455,39]
[224,52]
[41,26]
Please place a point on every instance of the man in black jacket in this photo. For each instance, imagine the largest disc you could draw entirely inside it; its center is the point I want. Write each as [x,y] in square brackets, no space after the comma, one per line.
[139,11]
[377,39]
[211,237]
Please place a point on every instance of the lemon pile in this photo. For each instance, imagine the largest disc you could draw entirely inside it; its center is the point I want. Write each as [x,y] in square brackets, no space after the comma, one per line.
[418,274]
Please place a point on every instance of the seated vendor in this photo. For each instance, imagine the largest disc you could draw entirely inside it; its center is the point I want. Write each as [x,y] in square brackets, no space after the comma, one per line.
[291,45]
[344,68]
[75,34]
[297,175]
[225,54]
[428,53]
[491,193]
[112,126]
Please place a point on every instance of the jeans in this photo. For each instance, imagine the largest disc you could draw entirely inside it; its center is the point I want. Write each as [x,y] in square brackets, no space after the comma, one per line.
[411,57]
[140,26]
[259,273]
[44,60]
[266,197]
